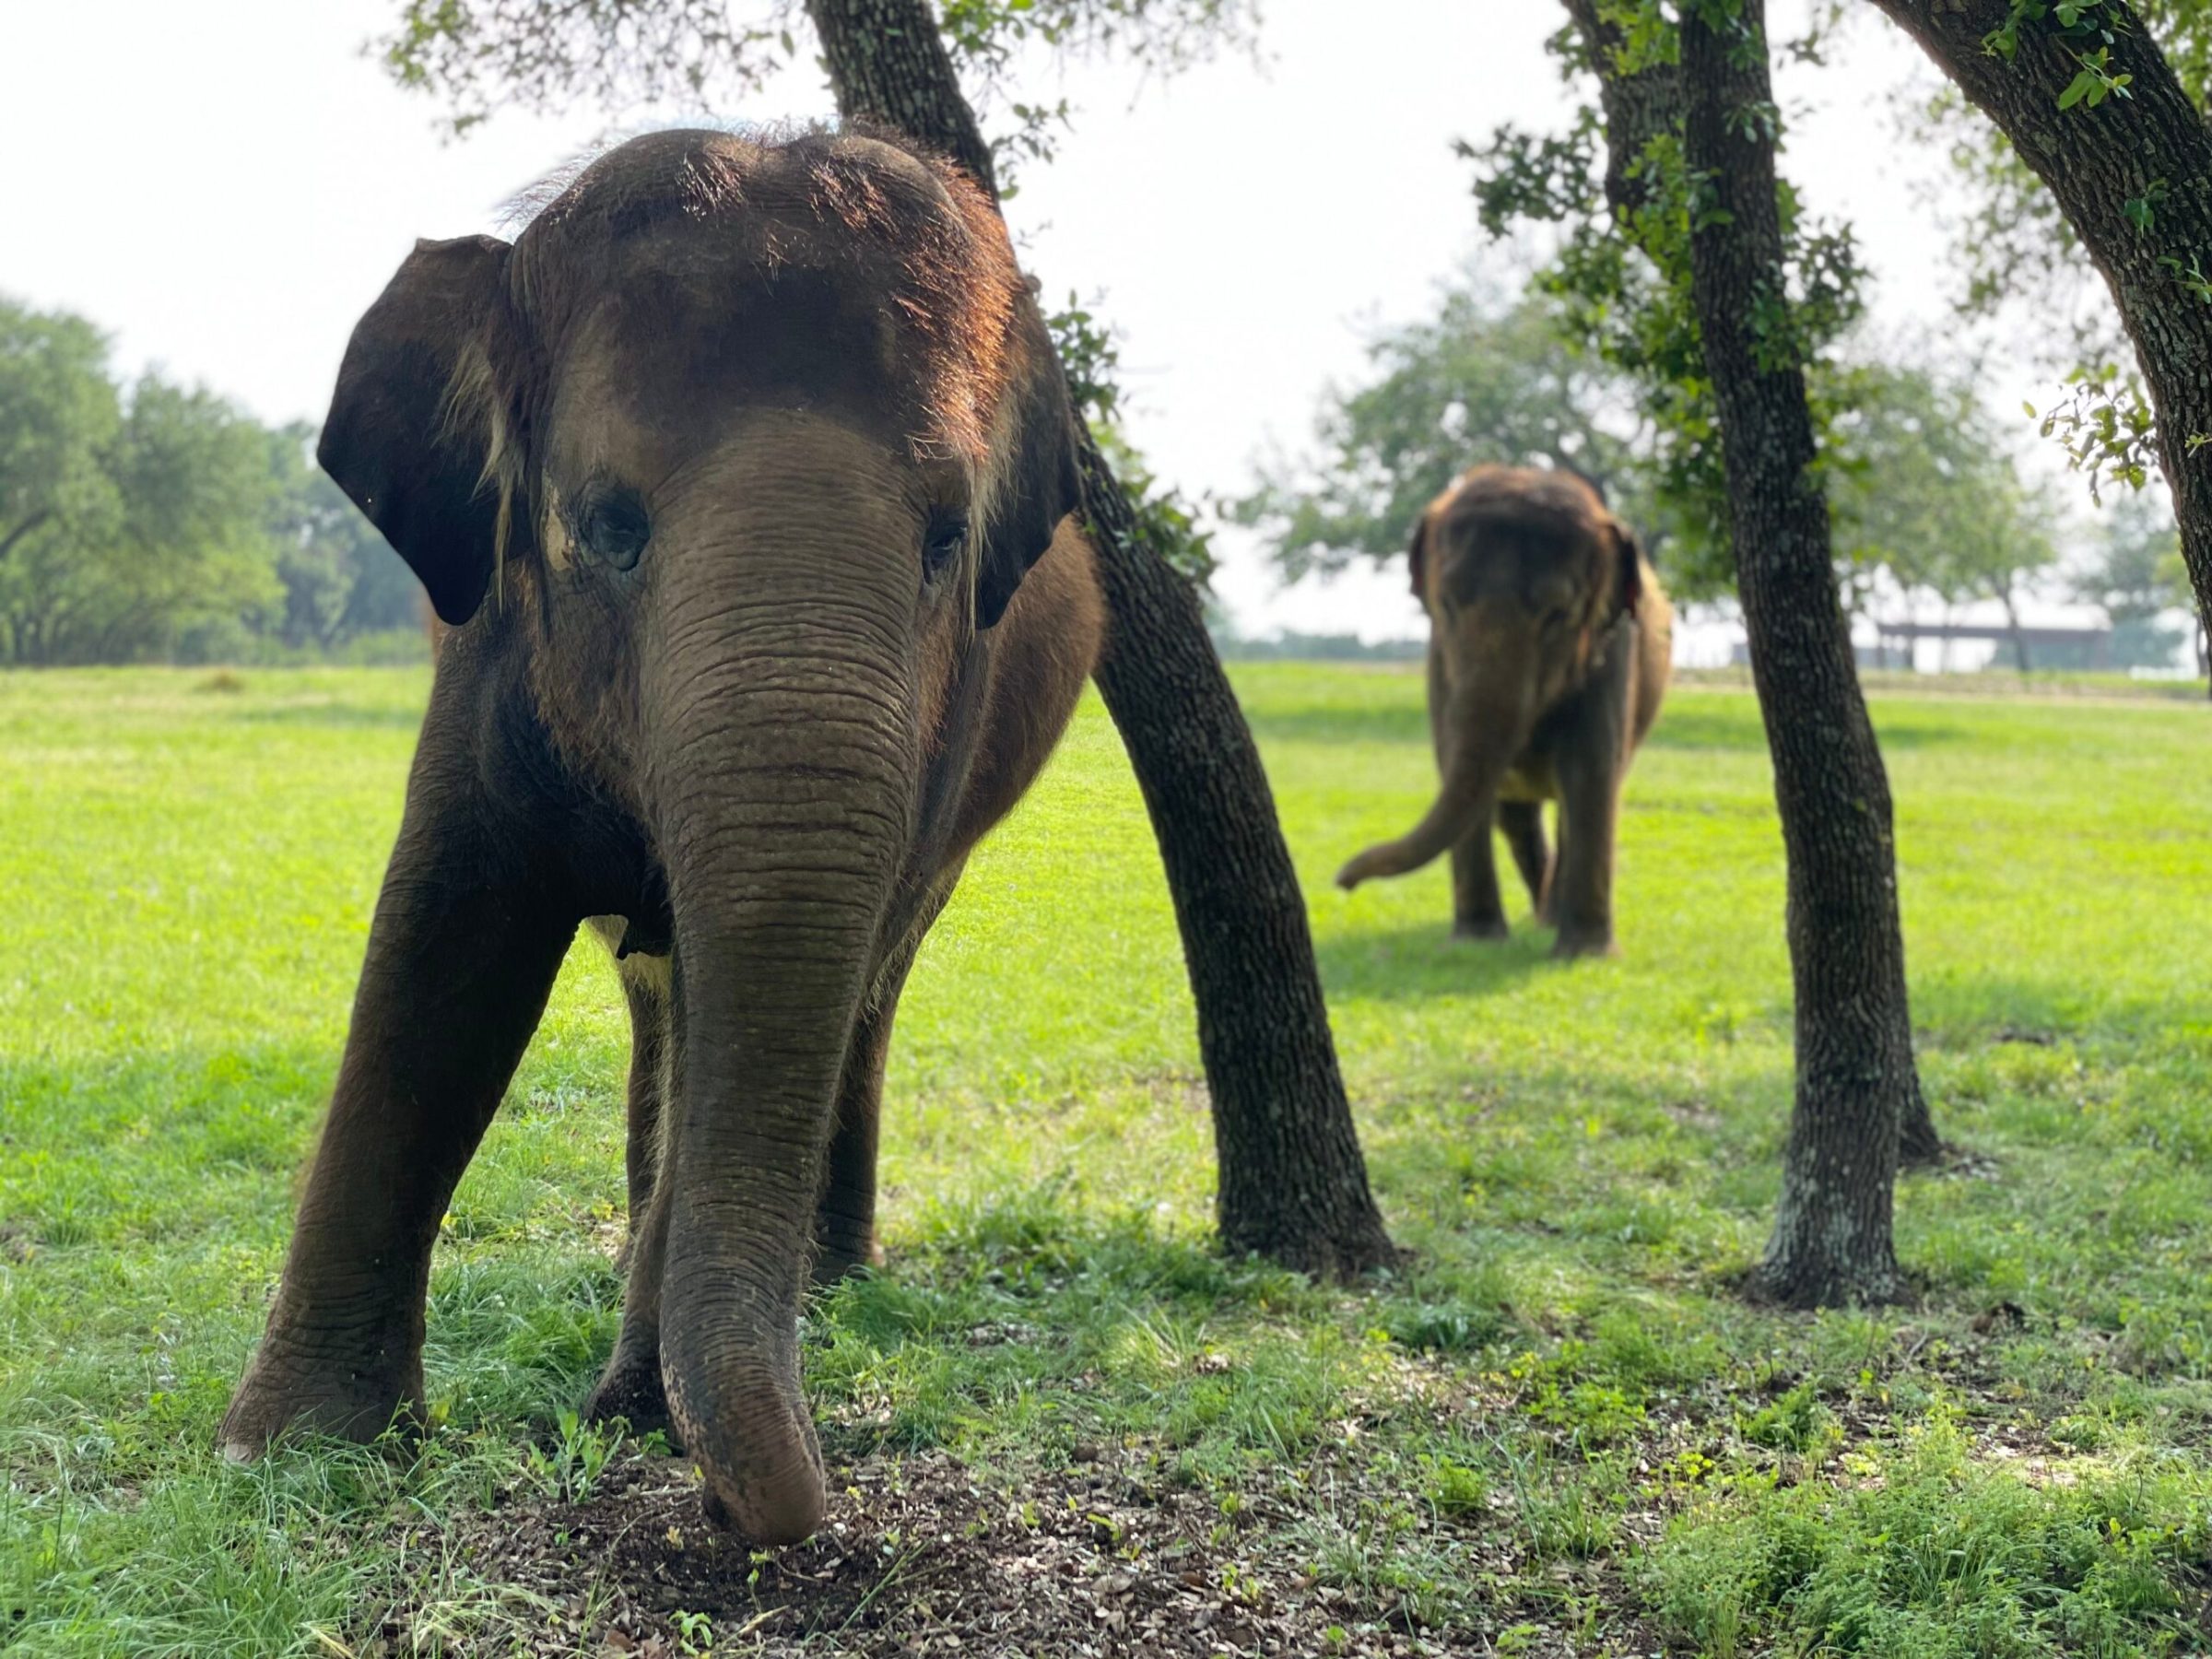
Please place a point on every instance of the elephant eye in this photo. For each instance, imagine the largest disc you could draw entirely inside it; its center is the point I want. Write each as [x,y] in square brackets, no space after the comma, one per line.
[612,526]
[947,534]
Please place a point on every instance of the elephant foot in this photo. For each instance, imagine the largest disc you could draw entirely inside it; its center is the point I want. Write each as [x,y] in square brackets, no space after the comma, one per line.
[287,1392]
[839,1256]
[630,1388]
[1488,927]
[1571,945]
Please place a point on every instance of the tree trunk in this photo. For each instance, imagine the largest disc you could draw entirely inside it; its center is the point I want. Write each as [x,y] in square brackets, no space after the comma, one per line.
[2146,156]
[1855,1075]
[2012,623]
[8,541]
[1638,109]
[1292,1178]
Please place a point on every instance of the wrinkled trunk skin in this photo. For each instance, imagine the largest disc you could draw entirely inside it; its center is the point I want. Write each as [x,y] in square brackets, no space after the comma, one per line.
[1483,726]
[783,789]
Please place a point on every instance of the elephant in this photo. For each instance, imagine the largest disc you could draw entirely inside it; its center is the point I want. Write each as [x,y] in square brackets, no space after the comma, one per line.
[741,482]
[1550,644]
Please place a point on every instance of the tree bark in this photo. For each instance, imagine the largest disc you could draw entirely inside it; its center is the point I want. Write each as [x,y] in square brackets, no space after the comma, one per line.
[1832,1239]
[1639,107]
[1292,1181]
[2012,621]
[8,541]
[2148,153]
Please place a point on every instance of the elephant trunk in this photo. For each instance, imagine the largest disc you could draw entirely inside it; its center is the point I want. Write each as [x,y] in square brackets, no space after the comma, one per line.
[785,791]
[1485,718]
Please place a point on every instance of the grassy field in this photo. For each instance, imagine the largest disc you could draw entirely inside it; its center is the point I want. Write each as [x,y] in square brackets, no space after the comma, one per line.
[1057,1419]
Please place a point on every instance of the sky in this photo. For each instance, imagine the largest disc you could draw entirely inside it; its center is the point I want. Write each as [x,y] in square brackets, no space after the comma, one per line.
[226,185]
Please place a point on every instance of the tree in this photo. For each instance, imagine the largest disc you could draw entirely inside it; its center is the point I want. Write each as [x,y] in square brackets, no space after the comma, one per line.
[2136,580]
[192,550]
[1856,1080]
[1615,184]
[59,415]
[2102,117]
[1923,488]
[1292,1180]
[127,521]
[340,578]
[1699,270]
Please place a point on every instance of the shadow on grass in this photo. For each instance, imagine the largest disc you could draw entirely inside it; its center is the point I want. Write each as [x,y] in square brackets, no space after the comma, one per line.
[1964,1011]
[1732,724]
[1425,961]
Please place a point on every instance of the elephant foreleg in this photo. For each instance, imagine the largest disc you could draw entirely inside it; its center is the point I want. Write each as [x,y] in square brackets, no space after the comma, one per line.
[844,1223]
[1583,883]
[460,957]
[844,1229]
[629,1387]
[1477,907]
[1522,822]
[645,989]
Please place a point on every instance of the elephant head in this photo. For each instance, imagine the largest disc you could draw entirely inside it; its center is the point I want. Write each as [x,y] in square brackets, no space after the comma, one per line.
[751,443]
[1523,574]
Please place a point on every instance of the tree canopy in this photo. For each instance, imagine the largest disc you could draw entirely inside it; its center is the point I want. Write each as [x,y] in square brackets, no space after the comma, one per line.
[152,519]
[1488,379]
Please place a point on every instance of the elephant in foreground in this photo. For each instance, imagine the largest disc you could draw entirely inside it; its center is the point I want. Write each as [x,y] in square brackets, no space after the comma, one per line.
[1551,643]
[740,479]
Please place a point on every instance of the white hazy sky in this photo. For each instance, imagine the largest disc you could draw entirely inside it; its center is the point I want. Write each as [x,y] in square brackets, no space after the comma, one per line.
[224,185]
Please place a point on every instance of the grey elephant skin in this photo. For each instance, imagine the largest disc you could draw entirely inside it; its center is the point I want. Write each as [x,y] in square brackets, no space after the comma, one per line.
[739,481]
[1550,644]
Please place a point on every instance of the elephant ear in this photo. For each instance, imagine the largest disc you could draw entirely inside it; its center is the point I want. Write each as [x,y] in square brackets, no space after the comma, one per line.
[1416,557]
[1628,556]
[413,424]
[1037,482]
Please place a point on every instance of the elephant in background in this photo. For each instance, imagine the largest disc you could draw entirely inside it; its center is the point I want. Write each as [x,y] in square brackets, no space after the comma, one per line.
[1550,644]
[740,481]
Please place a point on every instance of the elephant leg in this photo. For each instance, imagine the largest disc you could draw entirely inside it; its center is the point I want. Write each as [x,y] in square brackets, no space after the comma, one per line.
[845,1228]
[844,1223]
[462,954]
[630,1387]
[1477,908]
[1522,822]
[645,989]
[1582,891]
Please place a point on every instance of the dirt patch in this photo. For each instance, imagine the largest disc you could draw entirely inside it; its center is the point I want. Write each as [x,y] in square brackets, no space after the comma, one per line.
[1095,1560]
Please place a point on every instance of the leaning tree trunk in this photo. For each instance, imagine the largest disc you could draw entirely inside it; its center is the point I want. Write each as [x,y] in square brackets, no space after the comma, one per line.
[2133,177]
[1855,1075]
[1639,108]
[1292,1180]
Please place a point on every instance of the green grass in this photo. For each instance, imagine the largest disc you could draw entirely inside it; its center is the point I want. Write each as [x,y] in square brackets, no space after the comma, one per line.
[1558,1427]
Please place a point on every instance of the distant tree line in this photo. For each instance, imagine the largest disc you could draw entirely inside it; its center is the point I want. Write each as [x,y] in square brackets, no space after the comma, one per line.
[148,520]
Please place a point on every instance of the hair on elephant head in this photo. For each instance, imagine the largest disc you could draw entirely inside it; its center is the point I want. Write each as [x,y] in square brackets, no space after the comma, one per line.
[730,475]
[1550,639]
[535,398]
